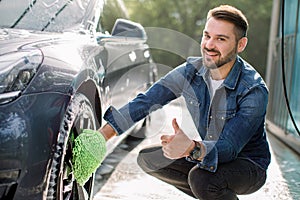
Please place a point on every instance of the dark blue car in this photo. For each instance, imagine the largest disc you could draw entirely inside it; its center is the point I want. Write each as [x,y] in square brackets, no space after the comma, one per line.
[57,76]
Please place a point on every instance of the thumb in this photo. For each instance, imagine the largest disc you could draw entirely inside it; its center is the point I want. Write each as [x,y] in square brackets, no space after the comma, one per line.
[175,125]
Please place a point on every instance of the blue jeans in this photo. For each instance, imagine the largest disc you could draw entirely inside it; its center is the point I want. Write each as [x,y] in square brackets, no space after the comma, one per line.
[237,177]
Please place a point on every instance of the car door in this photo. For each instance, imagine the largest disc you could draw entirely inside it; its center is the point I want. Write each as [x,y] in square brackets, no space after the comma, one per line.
[127,62]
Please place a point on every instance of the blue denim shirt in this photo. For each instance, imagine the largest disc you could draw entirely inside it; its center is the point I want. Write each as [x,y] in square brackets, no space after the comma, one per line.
[231,124]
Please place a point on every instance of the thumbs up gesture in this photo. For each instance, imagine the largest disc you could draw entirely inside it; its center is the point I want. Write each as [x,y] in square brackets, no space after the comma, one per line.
[177,145]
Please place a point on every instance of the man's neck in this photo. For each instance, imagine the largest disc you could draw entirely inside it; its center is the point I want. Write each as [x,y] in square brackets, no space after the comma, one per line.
[221,72]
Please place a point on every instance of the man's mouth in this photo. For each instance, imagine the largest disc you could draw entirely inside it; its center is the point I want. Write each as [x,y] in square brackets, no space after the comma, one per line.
[212,53]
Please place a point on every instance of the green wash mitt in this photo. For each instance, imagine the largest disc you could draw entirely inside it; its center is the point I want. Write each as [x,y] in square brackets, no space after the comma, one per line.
[88,153]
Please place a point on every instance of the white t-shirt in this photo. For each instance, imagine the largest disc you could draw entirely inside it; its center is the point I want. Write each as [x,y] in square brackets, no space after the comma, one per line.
[214,85]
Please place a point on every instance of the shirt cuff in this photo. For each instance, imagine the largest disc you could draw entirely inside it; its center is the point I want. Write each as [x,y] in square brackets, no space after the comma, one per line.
[210,160]
[116,119]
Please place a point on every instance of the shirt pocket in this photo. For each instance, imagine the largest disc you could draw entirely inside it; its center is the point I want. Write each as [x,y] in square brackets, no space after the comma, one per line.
[224,115]
[192,101]
[193,106]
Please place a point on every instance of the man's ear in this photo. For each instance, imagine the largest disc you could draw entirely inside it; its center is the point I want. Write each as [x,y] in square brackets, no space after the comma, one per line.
[242,43]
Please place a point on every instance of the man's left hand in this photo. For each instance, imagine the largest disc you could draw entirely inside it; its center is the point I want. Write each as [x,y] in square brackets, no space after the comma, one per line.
[177,145]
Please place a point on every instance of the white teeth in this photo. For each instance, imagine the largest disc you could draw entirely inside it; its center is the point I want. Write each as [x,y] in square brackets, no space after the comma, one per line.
[211,54]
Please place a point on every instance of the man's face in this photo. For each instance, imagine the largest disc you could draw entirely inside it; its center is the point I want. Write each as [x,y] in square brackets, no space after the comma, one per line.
[219,44]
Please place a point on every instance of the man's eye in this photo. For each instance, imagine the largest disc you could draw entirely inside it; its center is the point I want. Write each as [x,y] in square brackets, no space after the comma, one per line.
[221,39]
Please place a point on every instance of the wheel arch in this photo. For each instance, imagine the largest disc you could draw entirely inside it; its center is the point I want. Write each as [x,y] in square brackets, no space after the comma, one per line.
[91,91]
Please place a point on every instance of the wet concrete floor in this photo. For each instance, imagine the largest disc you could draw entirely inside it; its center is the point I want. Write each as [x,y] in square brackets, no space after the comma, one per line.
[120,177]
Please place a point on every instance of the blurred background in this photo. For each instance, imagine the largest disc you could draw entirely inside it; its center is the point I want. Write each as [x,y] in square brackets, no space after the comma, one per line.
[188,17]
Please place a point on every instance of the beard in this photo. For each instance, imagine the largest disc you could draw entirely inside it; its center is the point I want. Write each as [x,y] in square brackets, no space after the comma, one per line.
[222,60]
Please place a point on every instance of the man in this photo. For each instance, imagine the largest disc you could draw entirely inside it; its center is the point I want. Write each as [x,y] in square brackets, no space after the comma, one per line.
[227,100]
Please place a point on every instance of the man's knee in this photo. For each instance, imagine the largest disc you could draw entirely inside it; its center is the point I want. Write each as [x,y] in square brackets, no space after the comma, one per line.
[143,162]
[150,159]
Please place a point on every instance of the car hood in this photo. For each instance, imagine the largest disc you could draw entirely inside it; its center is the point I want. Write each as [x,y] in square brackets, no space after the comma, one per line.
[56,60]
[12,40]
[50,44]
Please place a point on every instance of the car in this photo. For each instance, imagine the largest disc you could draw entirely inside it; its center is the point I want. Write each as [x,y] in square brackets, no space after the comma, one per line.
[58,75]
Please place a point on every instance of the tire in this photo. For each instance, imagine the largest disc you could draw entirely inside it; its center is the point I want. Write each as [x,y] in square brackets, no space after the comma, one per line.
[62,185]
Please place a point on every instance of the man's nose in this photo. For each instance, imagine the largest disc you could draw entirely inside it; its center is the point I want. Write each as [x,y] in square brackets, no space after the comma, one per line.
[210,44]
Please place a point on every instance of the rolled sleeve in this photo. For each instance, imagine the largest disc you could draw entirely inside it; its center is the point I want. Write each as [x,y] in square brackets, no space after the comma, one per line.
[210,161]
[117,120]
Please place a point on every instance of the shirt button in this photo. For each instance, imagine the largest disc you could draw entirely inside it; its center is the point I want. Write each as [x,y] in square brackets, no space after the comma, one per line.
[211,168]
[210,117]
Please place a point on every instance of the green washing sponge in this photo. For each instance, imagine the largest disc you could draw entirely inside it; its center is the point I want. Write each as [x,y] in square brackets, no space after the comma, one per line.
[88,153]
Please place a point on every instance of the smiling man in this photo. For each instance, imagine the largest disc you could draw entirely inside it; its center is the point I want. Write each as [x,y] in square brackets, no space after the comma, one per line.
[227,100]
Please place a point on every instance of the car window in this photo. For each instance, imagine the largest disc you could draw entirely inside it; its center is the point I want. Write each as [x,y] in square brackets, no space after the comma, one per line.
[49,15]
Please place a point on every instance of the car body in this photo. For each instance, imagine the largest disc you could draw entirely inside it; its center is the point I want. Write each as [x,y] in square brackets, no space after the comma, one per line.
[58,75]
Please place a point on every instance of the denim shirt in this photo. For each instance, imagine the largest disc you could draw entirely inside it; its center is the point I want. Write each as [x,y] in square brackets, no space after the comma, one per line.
[231,124]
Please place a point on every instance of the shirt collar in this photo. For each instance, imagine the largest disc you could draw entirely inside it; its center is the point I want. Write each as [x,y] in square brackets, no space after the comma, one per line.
[231,80]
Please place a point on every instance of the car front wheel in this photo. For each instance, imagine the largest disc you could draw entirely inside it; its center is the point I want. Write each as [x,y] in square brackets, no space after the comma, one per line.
[62,184]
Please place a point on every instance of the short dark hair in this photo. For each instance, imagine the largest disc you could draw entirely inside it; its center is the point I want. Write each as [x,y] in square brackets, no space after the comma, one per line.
[233,15]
